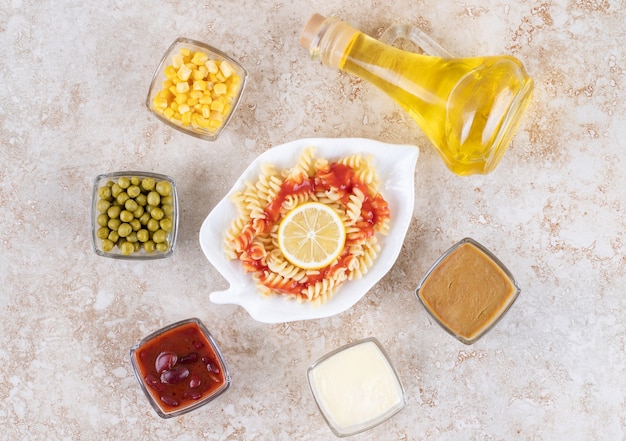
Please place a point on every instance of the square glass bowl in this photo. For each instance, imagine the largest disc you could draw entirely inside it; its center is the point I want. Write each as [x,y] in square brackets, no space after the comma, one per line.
[180,368]
[467,290]
[356,387]
[125,210]
[196,88]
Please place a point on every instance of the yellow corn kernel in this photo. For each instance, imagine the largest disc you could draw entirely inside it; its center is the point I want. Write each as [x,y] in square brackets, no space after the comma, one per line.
[199,85]
[206,99]
[184,72]
[182,87]
[214,124]
[186,118]
[174,106]
[183,108]
[165,94]
[169,112]
[178,60]
[206,111]
[180,99]
[226,69]
[192,102]
[160,103]
[167,84]
[217,116]
[212,66]
[185,52]
[202,71]
[170,72]
[196,94]
[197,108]
[199,58]
[172,90]
[219,88]
[220,77]
[217,105]
[232,91]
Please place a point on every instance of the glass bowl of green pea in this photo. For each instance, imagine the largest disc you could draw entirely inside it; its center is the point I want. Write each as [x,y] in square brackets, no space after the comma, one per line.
[134,215]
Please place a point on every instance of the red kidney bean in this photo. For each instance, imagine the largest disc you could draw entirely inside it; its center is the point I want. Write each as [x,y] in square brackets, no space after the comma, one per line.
[154,383]
[192,395]
[164,361]
[174,375]
[189,358]
[169,400]
[198,345]
[194,381]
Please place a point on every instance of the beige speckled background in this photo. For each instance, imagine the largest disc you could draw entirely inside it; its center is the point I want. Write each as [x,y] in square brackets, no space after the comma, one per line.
[73,79]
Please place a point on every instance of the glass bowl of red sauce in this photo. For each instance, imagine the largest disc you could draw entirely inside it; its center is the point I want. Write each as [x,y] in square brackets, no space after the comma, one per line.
[180,368]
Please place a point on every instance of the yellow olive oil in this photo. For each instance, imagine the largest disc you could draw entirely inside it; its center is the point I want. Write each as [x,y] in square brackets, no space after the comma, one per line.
[469,108]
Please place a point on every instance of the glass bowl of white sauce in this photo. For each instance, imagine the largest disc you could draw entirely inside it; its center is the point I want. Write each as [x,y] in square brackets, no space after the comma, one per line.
[356,387]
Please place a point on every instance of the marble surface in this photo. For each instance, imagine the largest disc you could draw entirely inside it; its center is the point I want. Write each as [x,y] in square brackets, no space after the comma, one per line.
[74,78]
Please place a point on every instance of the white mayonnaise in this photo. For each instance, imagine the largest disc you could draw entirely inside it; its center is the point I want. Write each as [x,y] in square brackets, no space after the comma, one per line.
[356,385]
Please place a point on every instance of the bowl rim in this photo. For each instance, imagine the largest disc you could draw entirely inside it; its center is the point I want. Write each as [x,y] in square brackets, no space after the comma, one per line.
[207,334]
[135,256]
[159,73]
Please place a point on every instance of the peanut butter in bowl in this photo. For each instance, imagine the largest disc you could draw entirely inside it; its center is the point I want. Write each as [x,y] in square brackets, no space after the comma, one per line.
[467,290]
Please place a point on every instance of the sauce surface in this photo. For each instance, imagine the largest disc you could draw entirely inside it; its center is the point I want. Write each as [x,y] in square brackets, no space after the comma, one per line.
[180,367]
[467,291]
[356,385]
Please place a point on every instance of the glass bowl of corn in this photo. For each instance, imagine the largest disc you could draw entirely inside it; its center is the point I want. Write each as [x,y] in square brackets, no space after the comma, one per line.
[196,88]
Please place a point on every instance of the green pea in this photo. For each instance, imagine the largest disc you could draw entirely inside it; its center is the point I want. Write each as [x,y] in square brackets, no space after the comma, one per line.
[154,198]
[123,182]
[102,205]
[115,190]
[107,245]
[168,210]
[142,200]
[133,191]
[163,246]
[159,236]
[149,246]
[135,180]
[132,237]
[102,233]
[138,212]
[127,248]
[167,200]
[147,184]
[135,224]
[114,236]
[143,235]
[157,213]
[131,205]
[124,230]
[114,211]
[164,188]
[122,198]
[126,216]
[104,192]
[103,219]
[114,224]
[144,218]
[152,225]
[166,224]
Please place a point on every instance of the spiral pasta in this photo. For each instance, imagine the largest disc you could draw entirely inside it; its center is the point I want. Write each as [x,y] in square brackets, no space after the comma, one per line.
[348,185]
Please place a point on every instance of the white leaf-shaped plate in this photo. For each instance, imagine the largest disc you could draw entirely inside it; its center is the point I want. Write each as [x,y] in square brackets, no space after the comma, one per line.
[395,165]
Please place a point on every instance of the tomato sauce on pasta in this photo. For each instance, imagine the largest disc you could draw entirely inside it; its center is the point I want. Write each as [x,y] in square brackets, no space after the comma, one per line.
[348,185]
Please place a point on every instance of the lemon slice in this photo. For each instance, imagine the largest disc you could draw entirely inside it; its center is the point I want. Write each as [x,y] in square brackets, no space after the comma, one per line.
[311,236]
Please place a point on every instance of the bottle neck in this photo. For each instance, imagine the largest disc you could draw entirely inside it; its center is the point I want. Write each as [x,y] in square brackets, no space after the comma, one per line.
[328,40]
